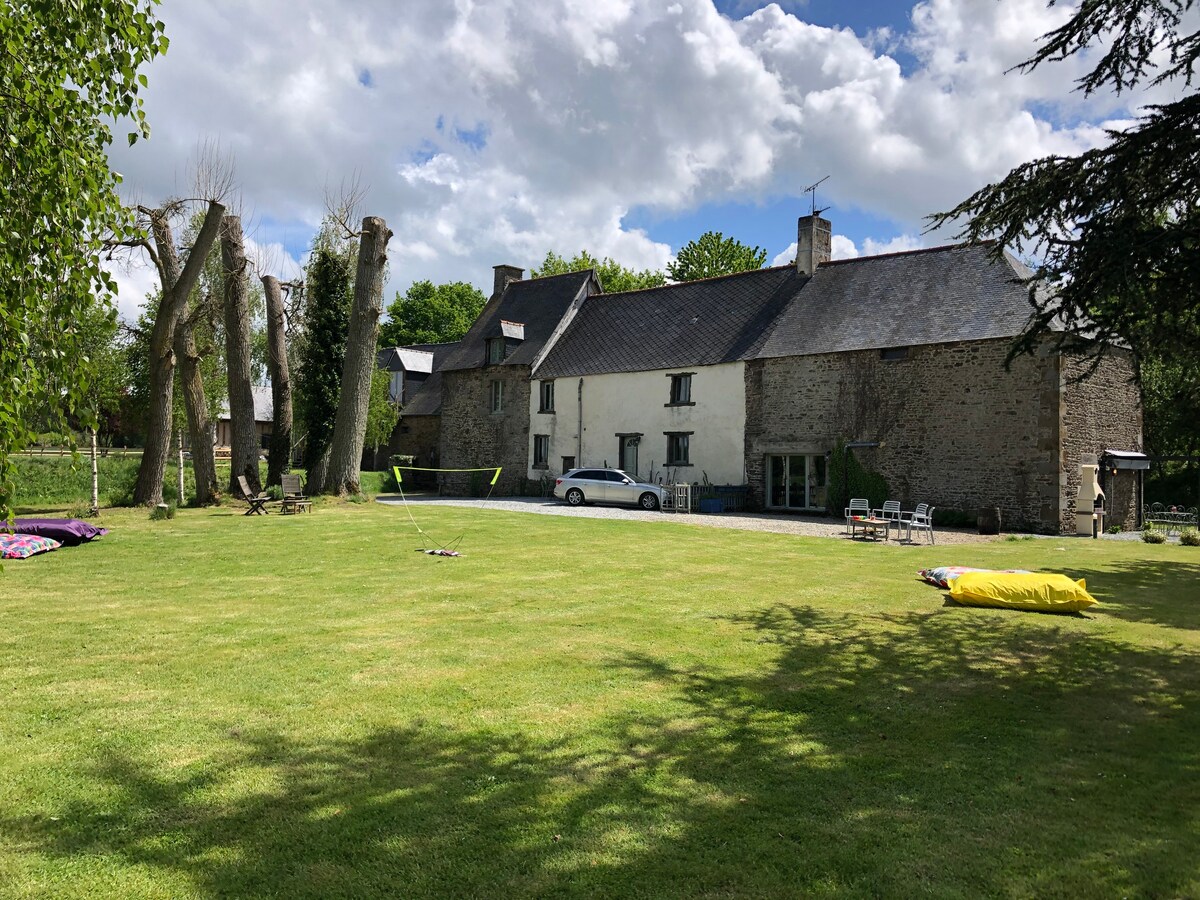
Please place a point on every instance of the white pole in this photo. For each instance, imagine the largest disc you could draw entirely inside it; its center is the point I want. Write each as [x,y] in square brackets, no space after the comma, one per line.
[179,441]
[95,478]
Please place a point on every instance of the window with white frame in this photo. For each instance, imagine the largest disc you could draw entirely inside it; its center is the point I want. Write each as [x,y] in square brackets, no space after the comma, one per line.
[497,396]
[681,389]
[541,451]
[547,397]
[678,449]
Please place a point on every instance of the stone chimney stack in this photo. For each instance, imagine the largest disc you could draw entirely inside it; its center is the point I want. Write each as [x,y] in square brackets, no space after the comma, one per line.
[505,274]
[814,243]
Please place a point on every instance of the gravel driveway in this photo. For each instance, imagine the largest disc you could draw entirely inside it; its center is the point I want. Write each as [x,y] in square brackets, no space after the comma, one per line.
[809,526]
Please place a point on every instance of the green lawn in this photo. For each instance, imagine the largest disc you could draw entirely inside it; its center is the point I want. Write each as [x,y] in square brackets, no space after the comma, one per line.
[302,706]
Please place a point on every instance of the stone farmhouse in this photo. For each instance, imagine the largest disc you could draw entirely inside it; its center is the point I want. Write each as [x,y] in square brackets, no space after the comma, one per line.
[755,378]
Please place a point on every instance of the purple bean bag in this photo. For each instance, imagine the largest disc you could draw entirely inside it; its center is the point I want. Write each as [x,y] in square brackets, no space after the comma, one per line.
[69,532]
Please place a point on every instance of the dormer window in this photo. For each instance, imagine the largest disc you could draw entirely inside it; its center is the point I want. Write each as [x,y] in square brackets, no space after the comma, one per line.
[495,350]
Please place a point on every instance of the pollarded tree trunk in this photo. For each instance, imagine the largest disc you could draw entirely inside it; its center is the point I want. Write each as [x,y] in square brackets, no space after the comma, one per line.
[280,458]
[243,437]
[176,285]
[350,427]
[204,464]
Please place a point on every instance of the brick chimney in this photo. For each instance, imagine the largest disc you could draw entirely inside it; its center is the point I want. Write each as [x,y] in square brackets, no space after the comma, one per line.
[505,274]
[814,243]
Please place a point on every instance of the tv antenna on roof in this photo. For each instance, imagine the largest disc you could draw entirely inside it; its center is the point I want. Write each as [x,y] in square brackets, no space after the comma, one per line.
[812,189]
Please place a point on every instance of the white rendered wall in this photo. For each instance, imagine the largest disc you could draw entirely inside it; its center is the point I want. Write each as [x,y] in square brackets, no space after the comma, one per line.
[635,402]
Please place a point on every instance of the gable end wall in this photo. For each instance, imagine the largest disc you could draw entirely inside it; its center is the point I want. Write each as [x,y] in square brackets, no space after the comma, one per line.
[958,431]
[473,436]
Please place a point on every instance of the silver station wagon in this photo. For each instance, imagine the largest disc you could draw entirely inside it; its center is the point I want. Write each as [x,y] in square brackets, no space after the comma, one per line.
[580,486]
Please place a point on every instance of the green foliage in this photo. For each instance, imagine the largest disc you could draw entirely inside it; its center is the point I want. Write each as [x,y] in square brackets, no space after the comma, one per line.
[431,314]
[613,276]
[373,483]
[327,321]
[1171,404]
[1173,484]
[1114,231]
[1189,537]
[69,70]
[853,481]
[1152,536]
[382,413]
[163,511]
[713,254]
[388,482]
[1113,529]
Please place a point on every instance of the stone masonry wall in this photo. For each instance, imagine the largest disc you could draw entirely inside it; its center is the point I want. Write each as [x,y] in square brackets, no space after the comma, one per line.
[957,430]
[473,436]
[1102,409]
[418,437]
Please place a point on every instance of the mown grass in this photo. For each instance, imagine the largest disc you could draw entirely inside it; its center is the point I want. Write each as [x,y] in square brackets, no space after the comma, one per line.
[304,707]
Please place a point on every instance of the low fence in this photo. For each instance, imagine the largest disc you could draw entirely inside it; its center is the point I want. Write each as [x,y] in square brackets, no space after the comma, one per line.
[1168,518]
[714,498]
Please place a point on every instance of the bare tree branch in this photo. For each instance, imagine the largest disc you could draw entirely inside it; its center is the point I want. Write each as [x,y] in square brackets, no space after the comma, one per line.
[343,205]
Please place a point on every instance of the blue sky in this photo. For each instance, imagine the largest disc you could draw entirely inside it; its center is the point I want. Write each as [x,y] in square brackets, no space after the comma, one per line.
[494,132]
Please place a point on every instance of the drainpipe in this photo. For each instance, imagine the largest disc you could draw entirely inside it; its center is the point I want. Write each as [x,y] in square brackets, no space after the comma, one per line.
[579,452]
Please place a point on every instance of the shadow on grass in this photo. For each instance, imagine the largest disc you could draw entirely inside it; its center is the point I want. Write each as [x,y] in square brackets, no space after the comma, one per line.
[887,755]
[1163,592]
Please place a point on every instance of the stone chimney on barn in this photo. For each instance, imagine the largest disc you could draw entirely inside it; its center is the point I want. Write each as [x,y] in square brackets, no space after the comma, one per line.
[814,243]
[505,274]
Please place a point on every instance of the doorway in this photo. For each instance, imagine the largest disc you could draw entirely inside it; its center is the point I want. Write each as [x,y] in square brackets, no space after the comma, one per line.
[627,453]
[797,481]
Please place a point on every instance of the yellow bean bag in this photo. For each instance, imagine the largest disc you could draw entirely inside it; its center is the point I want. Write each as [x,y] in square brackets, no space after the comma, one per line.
[1030,590]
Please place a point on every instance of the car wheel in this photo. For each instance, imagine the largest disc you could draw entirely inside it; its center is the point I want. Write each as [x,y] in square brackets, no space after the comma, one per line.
[575,497]
[648,501]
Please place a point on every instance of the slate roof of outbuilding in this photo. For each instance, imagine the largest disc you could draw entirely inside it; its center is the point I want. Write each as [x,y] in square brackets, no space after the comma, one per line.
[695,323]
[408,359]
[427,399]
[933,296]
[264,404]
[539,304]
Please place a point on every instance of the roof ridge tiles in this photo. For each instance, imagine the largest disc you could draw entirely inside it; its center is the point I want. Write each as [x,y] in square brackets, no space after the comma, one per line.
[675,284]
[964,245]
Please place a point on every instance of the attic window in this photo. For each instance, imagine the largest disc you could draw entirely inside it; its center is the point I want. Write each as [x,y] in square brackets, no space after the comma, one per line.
[495,350]
[893,354]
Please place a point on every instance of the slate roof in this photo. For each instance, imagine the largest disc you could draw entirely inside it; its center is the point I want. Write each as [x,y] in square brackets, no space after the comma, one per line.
[695,323]
[427,399]
[264,404]
[933,296]
[539,304]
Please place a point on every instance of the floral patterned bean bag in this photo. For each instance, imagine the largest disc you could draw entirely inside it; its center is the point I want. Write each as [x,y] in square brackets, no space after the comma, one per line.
[21,546]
